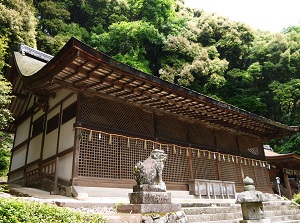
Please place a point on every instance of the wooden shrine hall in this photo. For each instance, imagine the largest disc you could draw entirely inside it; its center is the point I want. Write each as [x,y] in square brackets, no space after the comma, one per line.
[85,119]
[287,168]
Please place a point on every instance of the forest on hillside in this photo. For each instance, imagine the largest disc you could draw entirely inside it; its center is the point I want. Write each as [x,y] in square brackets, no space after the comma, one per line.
[227,60]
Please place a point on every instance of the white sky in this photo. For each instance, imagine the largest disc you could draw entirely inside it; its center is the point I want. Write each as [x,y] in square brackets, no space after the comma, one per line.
[272,15]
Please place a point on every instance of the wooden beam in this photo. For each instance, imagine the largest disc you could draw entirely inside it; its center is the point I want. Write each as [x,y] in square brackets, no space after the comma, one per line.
[287,184]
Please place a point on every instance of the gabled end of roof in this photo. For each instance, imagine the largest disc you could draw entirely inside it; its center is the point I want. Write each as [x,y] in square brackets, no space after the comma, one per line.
[34,53]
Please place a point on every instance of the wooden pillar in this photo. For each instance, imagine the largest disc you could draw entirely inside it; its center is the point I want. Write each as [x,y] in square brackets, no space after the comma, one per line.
[190,163]
[76,139]
[287,184]
[55,188]
[297,178]
[241,168]
[240,161]
[218,167]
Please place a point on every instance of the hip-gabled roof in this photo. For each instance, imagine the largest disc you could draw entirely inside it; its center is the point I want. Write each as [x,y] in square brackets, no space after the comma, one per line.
[81,68]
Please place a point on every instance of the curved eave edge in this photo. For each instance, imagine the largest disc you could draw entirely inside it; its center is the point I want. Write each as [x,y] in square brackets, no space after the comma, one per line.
[45,74]
[284,156]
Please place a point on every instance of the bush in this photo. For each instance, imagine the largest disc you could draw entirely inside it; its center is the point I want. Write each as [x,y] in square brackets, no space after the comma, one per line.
[15,211]
[296,198]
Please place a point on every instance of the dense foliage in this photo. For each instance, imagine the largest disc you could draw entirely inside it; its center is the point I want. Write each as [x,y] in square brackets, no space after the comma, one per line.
[296,198]
[15,211]
[5,116]
[254,70]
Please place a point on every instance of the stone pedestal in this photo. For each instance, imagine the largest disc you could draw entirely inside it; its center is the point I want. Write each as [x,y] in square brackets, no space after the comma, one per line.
[252,211]
[150,198]
[149,202]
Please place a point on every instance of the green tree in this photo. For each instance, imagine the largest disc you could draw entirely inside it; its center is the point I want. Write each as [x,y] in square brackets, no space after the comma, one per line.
[130,42]
[5,116]
[18,23]
[232,39]
[155,12]
[98,15]
[55,27]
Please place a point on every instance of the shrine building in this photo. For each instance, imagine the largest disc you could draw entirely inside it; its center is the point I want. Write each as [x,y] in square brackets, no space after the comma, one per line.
[85,119]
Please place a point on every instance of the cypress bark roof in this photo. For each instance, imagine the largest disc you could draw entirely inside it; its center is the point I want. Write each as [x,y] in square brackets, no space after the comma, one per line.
[81,68]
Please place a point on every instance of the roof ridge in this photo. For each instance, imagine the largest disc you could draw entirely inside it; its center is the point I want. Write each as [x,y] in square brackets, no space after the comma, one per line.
[29,51]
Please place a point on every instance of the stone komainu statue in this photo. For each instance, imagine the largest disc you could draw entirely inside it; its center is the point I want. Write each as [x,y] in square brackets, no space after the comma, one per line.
[150,171]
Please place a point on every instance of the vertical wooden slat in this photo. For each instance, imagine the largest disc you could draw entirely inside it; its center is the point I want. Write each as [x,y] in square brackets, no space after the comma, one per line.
[218,168]
[190,164]
[76,139]
[287,184]
[55,188]
[241,168]
[59,127]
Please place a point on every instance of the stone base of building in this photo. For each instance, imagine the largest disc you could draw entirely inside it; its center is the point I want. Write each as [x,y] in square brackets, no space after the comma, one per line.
[144,197]
[149,208]
[266,220]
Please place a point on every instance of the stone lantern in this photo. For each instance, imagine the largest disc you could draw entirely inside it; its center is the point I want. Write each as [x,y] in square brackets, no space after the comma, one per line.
[251,203]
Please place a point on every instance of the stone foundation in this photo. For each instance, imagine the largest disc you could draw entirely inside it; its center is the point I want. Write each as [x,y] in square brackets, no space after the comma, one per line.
[256,221]
[149,208]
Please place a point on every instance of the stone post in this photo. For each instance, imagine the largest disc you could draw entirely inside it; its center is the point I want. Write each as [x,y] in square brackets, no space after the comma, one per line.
[251,203]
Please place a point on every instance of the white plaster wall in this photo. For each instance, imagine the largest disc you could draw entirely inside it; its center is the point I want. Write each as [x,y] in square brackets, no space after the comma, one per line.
[18,158]
[37,115]
[65,166]
[22,132]
[67,133]
[35,146]
[31,103]
[68,102]
[53,113]
[50,144]
[59,96]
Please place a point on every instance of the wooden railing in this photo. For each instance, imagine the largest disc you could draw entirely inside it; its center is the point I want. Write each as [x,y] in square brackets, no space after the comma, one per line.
[284,192]
[212,189]
[48,169]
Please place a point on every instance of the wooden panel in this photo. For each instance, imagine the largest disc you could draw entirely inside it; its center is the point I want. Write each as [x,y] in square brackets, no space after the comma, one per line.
[99,156]
[105,155]
[251,147]
[176,166]
[262,179]
[204,165]
[109,114]
[230,171]
[169,127]
[249,171]
[131,152]
[201,135]
[226,141]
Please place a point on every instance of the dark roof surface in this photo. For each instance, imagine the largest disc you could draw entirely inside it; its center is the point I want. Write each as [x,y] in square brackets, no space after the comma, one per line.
[81,68]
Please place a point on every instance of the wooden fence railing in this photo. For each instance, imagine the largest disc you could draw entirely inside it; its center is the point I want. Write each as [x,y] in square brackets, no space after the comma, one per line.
[48,169]
[212,189]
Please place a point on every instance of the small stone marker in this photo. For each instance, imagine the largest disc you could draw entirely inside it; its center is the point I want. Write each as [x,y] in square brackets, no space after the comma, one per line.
[251,203]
